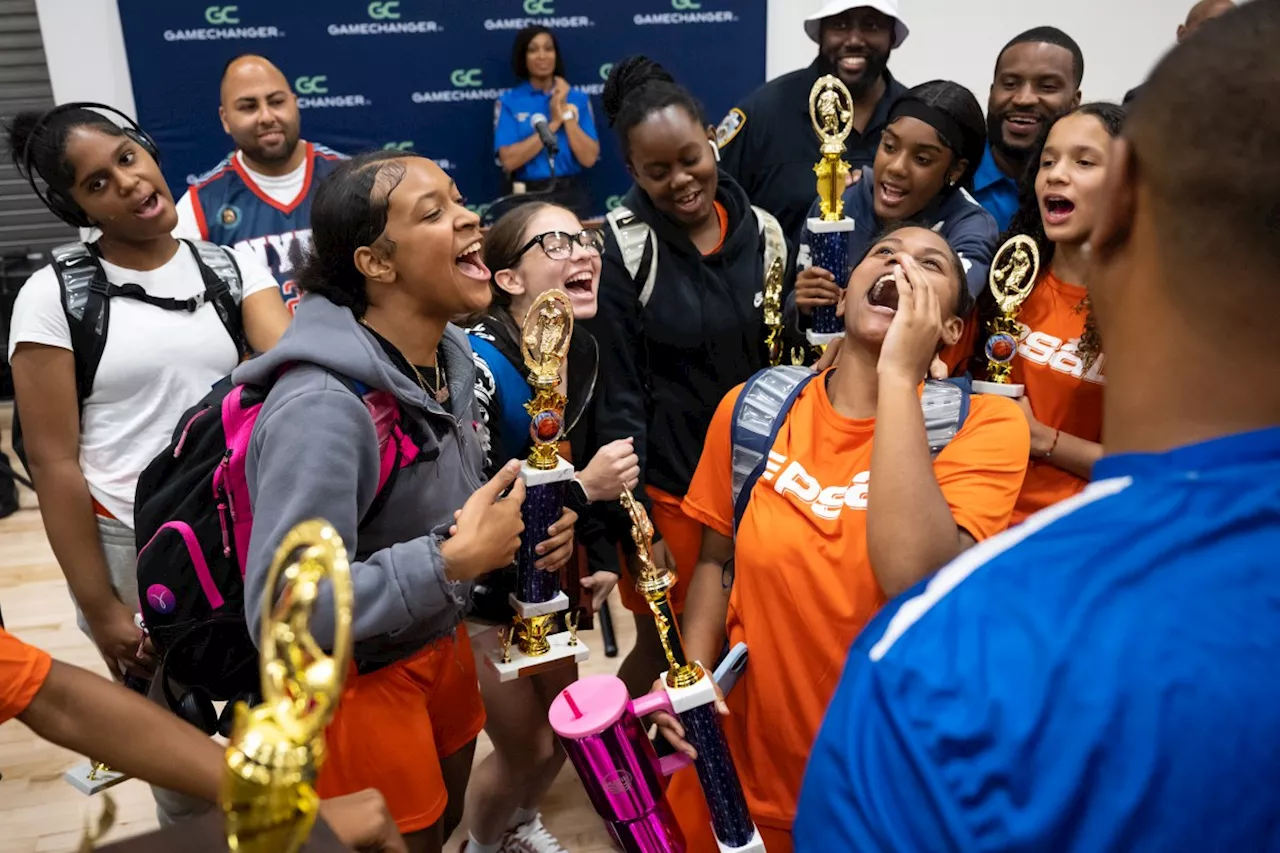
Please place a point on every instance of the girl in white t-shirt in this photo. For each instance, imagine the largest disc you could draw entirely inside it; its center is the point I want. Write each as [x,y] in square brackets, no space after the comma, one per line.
[86,456]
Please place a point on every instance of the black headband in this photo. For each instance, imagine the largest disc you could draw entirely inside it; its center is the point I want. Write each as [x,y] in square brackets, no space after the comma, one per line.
[947,128]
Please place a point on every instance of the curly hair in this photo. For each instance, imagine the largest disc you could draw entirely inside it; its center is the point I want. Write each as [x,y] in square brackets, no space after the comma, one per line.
[1027,221]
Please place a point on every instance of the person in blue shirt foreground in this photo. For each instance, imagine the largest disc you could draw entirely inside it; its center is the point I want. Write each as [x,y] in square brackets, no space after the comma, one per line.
[1102,677]
[536,59]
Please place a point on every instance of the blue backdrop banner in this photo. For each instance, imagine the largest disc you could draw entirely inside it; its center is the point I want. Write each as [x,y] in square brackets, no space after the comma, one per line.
[422,75]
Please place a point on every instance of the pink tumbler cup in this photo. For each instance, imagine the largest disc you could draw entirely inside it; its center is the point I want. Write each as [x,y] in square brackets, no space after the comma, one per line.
[602,734]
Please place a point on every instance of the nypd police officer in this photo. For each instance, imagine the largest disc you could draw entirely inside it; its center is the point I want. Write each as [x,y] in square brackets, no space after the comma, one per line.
[767,142]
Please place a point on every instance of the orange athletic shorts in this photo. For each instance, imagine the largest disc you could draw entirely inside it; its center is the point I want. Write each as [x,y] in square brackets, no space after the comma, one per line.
[393,727]
[683,536]
[690,807]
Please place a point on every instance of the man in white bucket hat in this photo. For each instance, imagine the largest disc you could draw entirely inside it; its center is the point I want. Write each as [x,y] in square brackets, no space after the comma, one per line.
[767,142]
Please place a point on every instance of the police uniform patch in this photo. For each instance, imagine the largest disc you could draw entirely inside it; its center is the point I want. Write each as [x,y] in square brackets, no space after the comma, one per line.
[229,215]
[732,125]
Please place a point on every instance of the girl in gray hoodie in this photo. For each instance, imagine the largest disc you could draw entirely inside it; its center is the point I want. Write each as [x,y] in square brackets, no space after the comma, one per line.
[395,256]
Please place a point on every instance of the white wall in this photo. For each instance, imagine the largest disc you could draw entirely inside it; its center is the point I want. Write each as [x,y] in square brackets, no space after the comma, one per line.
[958,39]
[84,45]
[951,39]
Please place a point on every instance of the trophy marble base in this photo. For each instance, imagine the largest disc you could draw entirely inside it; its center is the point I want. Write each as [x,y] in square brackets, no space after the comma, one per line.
[526,610]
[79,778]
[755,845]
[1001,389]
[521,665]
[538,477]
[687,698]
[819,339]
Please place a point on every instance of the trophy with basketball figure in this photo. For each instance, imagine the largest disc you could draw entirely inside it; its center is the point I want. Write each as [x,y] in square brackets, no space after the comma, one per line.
[831,110]
[1014,272]
[532,644]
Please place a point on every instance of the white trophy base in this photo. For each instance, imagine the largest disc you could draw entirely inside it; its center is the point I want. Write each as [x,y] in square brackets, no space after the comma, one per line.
[542,608]
[521,665]
[1000,389]
[78,778]
[687,698]
[538,477]
[818,340]
[755,845]
[818,225]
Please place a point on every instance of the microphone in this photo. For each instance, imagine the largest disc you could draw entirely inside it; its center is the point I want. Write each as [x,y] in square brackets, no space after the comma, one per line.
[548,138]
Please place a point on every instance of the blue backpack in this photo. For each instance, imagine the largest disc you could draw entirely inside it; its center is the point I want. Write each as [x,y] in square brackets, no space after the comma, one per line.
[767,397]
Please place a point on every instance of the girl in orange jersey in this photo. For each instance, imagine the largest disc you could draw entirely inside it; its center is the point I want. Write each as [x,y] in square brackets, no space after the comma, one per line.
[1058,359]
[853,508]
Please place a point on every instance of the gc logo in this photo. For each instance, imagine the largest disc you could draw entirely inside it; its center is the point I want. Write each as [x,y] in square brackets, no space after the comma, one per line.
[538,7]
[311,85]
[398,146]
[606,70]
[613,202]
[381,11]
[685,4]
[479,209]
[222,14]
[466,77]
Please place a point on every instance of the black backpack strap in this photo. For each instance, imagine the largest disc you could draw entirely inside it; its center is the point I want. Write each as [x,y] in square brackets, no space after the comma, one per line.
[224,287]
[86,302]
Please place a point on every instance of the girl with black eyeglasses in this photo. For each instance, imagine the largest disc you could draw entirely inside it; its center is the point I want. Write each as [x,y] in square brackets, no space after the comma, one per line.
[533,249]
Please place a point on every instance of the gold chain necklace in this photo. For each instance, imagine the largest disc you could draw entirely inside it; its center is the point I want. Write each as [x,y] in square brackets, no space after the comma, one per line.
[439,393]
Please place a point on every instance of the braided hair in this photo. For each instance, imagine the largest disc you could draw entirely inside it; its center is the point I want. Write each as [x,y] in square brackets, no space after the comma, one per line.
[638,87]
[1028,221]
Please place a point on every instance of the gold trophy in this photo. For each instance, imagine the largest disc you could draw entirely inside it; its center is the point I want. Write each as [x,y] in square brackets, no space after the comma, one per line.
[655,585]
[268,797]
[544,343]
[831,111]
[1014,272]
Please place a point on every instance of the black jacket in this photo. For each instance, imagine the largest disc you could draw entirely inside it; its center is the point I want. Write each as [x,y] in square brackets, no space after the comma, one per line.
[505,443]
[665,367]
[768,144]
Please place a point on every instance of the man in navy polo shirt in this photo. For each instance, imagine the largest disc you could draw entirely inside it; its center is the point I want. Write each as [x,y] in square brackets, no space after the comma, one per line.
[767,142]
[1103,677]
[1037,79]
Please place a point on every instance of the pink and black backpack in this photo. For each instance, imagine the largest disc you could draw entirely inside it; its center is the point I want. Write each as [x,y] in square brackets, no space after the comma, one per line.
[192,522]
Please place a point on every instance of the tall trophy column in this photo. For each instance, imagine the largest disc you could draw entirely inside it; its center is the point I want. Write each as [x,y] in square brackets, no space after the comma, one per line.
[831,110]
[268,798]
[1014,271]
[538,599]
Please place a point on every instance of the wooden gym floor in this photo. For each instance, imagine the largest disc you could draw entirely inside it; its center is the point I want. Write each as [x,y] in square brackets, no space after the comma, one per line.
[41,813]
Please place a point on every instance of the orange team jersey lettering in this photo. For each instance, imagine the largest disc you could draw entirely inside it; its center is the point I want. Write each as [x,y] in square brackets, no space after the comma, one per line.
[804,586]
[23,670]
[1063,395]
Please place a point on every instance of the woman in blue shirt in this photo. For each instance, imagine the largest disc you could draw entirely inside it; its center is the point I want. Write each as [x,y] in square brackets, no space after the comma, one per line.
[535,59]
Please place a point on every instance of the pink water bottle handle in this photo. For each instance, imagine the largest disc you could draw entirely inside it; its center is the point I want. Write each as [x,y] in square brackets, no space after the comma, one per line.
[659,701]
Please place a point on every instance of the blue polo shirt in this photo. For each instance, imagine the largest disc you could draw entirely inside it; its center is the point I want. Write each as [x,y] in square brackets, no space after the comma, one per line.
[995,190]
[513,122]
[1103,677]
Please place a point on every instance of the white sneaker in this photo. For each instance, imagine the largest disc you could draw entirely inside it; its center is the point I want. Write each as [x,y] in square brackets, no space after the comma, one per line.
[531,837]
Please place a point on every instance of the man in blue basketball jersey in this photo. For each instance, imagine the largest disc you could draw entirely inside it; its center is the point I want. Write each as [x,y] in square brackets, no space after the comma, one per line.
[1103,677]
[259,197]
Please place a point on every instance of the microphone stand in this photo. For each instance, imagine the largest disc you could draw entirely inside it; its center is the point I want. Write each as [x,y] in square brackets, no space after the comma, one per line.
[501,203]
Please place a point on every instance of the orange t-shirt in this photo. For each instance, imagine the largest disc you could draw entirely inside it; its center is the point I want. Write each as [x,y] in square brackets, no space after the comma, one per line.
[23,669]
[1062,394]
[803,586]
